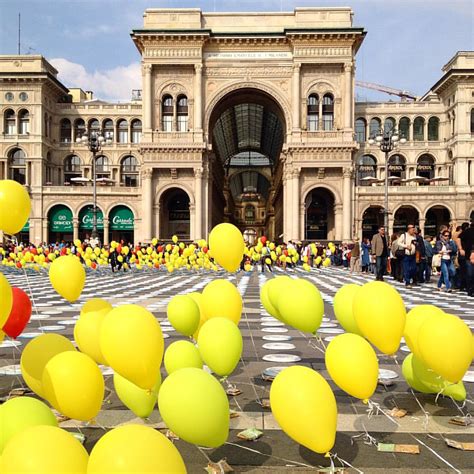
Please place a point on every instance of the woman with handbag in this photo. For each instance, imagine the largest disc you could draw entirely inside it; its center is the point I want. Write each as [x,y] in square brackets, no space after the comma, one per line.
[445,248]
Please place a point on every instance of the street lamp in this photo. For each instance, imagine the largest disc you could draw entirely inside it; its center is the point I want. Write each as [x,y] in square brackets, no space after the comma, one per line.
[94,141]
[386,141]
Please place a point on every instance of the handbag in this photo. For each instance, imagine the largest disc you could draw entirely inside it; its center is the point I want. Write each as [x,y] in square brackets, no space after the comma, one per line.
[436,260]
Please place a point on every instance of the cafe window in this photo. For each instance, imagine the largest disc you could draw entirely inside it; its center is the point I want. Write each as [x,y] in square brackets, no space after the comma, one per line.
[108,130]
[9,122]
[65,131]
[249,213]
[136,131]
[426,166]
[328,112]
[24,122]
[366,168]
[375,126]
[396,167]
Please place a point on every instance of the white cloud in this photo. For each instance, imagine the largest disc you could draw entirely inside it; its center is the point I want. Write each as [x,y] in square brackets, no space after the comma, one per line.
[110,84]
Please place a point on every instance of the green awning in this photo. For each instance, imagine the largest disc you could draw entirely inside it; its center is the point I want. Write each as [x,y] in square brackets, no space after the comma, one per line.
[86,217]
[121,218]
[60,219]
[26,227]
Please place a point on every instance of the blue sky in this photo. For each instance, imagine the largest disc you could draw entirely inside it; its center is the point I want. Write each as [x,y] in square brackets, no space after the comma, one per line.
[407,43]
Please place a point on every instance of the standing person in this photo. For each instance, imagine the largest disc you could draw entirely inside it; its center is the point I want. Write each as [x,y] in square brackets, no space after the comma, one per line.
[365,260]
[345,257]
[460,279]
[466,251]
[113,259]
[395,258]
[355,256]
[429,252]
[380,251]
[407,241]
[420,257]
[445,248]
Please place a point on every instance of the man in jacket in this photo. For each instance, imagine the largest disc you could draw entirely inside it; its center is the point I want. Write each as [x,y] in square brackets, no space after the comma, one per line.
[407,241]
[380,250]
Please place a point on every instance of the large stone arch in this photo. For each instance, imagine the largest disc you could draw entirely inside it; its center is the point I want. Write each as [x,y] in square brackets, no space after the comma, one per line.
[320,221]
[85,203]
[120,203]
[184,187]
[313,185]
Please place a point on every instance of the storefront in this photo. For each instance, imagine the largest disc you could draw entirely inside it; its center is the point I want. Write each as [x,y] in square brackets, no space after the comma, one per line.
[86,219]
[23,236]
[121,224]
[60,224]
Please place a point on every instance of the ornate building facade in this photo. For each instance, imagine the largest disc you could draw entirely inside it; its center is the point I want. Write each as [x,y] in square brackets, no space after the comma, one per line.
[248,118]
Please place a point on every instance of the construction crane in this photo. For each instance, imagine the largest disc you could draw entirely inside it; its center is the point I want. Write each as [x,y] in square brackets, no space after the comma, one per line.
[404,95]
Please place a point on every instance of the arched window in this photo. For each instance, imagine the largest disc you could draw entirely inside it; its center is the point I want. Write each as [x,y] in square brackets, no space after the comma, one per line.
[136,131]
[328,112]
[313,112]
[425,167]
[79,128]
[17,165]
[46,125]
[361,130]
[389,124]
[102,168]
[472,120]
[24,117]
[108,128]
[65,131]
[419,129]
[249,213]
[122,131]
[396,168]
[366,168]
[9,126]
[433,129]
[167,113]
[182,113]
[72,168]
[129,171]
[48,177]
[94,125]
[404,128]
[375,126]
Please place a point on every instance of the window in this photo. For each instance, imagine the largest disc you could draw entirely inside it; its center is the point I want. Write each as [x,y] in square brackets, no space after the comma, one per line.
[389,124]
[425,167]
[313,112]
[94,125]
[433,129]
[46,125]
[65,131]
[79,128]
[472,120]
[396,167]
[167,113]
[102,169]
[249,213]
[24,117]
[17,165]
[122,131]
[129,171]
[328,112]
[404,127]
[419,129]
[108,127]
[136,131]
[361,130]
[182,113]
[9,122]
[72,168]
[366,168]
[375,126]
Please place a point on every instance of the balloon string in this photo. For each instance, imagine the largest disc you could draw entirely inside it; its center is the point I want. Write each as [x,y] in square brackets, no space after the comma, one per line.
[436,454]
[375,408]
[335,457]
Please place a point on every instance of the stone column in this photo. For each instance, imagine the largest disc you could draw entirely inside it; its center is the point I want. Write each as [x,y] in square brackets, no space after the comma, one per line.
[198,97]
[106,231]
[192,221]
[348,96]
[295,203]
[198,197]
[391,219]
[296,96]
[147,203]
[287,182]
[338,221]
[421,224]
[147,97]
[45,227]
[346,204]
[75,228]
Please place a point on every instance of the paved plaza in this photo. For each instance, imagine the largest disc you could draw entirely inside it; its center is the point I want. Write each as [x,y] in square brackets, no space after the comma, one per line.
[269,344]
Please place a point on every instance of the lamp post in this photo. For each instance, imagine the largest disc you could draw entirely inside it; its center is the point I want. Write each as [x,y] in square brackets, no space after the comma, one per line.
[386,141]
[94,141]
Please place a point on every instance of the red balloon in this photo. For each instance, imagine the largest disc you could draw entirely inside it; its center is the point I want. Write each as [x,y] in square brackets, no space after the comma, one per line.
[285,252]
[263,239]
[119,248]
[160,248]
[18,265]
[19,315]
[205,249]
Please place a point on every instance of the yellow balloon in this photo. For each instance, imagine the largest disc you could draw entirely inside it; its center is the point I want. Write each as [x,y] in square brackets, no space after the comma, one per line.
[132,344]
[37,353]
[301,305]
[182,354]
[87,334]
[353,365]
[2,335]
[44,449]
[276,286]
[6,299]
[411,379]
[183,314]
[174,239]
[194,405]
[227,246]
[304,406]
[220,298]
[74,385]
[135,449]
[343,307]
[265,298]
[68,277]
[220,344]
[94,305]
[15,206]
[141,402]
[445,345]
[380,314]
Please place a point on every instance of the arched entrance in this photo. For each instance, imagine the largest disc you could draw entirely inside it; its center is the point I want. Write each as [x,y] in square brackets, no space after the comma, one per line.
[436,216]
[372,219]
[121,224]
[319,215]
[60,224]
[174,214]
[405,215]
[86,220]
[247,128]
